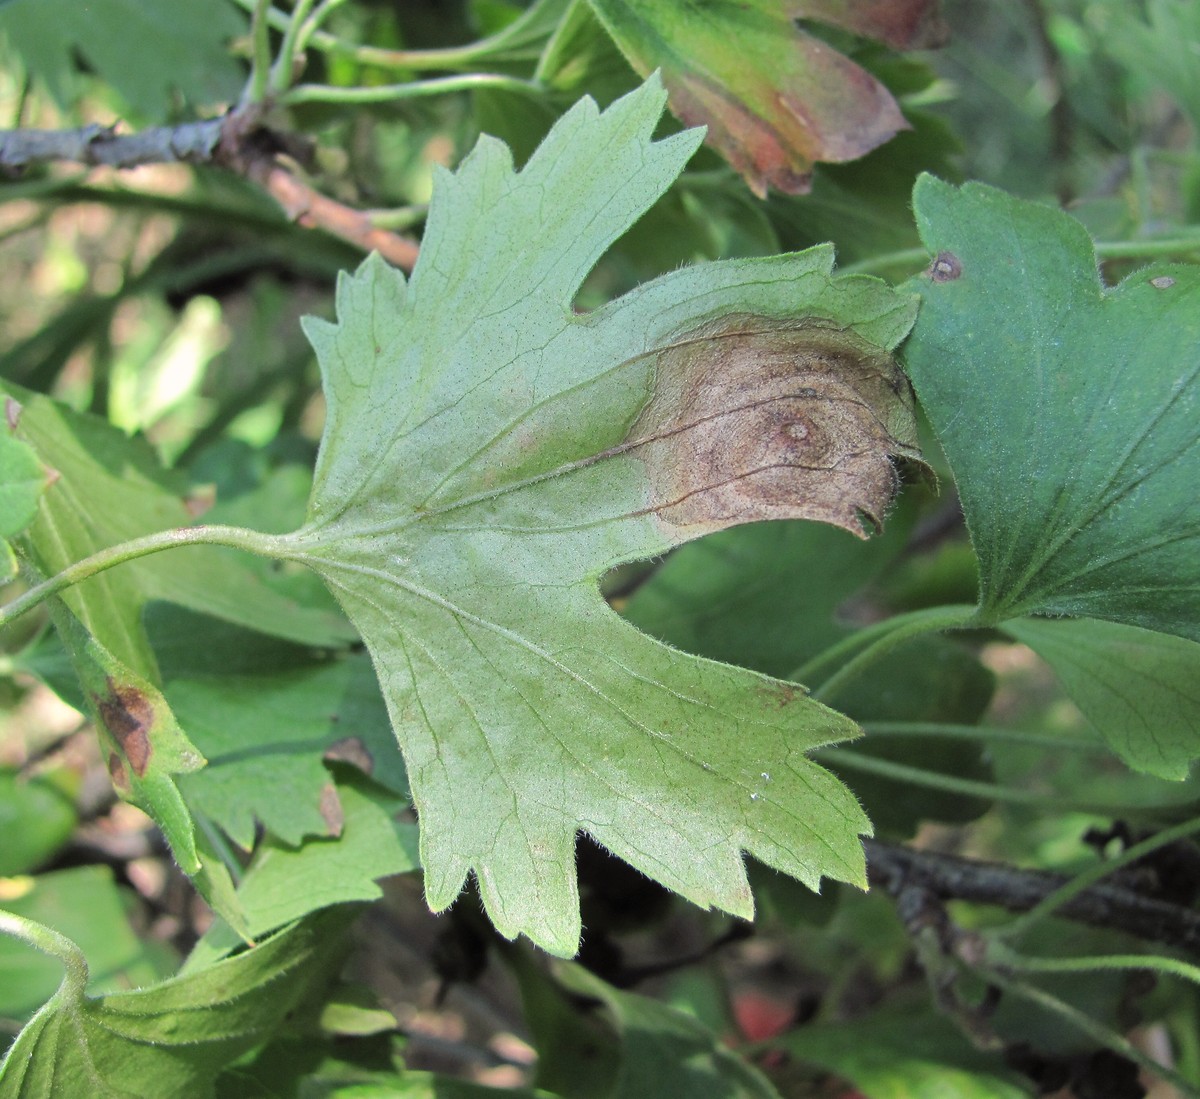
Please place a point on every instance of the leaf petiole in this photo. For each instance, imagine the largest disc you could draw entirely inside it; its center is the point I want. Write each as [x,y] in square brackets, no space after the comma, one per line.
[51,942]
[951,731]
[916,258]
[877,641]
[452,57]
[1010,960]
[1094,1030]
[937,780]
[283,70]
[264,545]
[260,61]
[387,93]
[313,23]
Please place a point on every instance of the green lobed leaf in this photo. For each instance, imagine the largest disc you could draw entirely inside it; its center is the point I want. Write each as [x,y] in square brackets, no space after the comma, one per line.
[86,905]
[286,882]
[37,818]
[910,1056]
[783,99]
[266,736]
[489,454]
[766,596]
[668,1052]
[599,1042]
[1066,409]
[110,488]
[1141,689]
[22,482]
[172,1038]
[146,49]
[141,743]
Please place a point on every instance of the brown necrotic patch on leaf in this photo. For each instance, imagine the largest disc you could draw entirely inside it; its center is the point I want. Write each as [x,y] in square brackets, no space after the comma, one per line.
[353,751]
[773,132]
[754,418]
[331,809]
[117,772]
[128,715]
[784,98]
[946,267]
[902,24]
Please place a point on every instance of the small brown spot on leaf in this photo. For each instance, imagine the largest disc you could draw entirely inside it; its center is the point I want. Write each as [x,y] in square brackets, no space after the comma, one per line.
[946,267]
[200,500]
[330,808]
[129,716]
[351,750]
[12,413]
[782,694]
[1162,282]
[117,772]
[754,418]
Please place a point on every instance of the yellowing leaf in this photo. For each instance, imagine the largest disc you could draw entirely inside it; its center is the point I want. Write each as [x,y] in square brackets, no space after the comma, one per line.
[489,454]
[781,99]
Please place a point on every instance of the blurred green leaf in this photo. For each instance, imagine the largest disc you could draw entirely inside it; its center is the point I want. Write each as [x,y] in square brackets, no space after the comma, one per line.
[1141,689]
[620,1045]
[265,738]
[1066,410]
[421,1085]
[145,49]
[582,59]
[911,1056]
[37,817]
[172,1038]
[933,680]
[1159,48]
[111,488]
[22,481]
[285,882]
[87,906]
[765,595]
[865,207]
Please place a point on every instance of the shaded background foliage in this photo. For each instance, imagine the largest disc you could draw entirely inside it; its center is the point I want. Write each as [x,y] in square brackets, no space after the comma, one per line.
[166,300]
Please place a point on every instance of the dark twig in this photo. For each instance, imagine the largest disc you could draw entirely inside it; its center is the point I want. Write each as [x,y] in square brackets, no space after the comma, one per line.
[189,142]
[236,142]
[951,877]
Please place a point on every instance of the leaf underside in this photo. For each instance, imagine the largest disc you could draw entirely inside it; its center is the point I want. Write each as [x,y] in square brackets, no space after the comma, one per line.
[489,454]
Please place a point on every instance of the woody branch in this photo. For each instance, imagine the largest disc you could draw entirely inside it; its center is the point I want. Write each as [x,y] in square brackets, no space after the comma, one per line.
[234,142]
